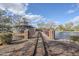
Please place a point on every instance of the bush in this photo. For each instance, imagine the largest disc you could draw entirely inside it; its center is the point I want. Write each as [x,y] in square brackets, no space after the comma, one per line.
[5,38]
[75,38]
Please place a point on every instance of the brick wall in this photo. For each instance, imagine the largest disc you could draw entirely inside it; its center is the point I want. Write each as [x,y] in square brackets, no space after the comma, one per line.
[31,33]
[50,33]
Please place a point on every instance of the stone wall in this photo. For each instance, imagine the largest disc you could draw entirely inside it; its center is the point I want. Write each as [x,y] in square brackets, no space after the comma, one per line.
[19,36]
[50,33]
[31,33]
[26,34]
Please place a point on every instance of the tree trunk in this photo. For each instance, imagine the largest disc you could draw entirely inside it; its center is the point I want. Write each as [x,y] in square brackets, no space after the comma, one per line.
[54,34]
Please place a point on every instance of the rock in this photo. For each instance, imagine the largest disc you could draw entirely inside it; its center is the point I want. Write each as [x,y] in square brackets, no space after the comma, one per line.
[65,53]
[55,51]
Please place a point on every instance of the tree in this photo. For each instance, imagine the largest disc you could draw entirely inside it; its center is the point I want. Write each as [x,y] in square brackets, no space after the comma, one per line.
[2,12]
[5,22]
[49,25]
[69,26]
[21,25]
[41,25]
[60,28]
[76,28]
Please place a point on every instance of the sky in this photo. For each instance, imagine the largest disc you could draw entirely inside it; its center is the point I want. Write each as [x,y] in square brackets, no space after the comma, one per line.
[60,13]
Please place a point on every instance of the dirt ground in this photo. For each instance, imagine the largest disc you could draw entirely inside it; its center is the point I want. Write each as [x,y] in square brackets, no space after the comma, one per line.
[62,48]
[23,47]
[18,47]
[26,47]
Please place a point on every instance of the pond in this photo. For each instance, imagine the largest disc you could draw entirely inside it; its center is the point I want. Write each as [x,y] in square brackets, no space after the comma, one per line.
[65,35]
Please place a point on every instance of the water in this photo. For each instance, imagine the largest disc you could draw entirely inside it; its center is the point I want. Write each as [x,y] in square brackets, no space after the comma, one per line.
[65,35]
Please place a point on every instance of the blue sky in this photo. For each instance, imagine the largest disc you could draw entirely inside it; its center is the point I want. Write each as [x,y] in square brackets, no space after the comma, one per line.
[60,12]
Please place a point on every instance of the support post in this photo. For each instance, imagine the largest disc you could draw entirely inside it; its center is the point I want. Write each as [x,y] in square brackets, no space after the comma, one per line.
[26,34]
[51,34]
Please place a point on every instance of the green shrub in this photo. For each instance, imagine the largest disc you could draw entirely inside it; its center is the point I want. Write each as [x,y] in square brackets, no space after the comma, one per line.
[5,38]
[75,38]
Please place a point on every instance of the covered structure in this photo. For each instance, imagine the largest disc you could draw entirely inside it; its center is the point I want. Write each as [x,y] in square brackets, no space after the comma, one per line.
[22,25]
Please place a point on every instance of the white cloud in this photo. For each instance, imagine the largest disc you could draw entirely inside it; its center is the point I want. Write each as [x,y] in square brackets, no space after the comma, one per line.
[74,20]
[33,17]
[75,8]
[19,9]
[71,11]
[16,8]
